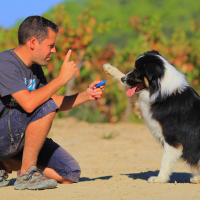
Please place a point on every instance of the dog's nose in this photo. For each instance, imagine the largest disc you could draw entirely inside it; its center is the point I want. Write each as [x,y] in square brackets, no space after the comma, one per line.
[123,79]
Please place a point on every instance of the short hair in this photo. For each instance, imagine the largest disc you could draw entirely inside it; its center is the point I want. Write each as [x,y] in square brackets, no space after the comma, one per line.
[35,26]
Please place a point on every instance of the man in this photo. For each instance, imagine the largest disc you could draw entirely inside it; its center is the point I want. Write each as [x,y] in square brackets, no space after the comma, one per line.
[28,105]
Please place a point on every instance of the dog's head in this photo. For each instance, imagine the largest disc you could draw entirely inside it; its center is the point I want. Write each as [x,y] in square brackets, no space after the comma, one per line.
[153,73]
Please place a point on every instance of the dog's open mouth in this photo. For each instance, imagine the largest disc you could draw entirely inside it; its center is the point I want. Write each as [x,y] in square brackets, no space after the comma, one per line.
[136,89]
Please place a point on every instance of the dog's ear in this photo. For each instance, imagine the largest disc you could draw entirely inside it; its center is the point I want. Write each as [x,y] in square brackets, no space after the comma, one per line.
[153,73]
[154,86]
[153,70]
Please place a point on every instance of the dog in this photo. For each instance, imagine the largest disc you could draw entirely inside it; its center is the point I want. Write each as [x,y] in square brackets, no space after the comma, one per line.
[160,94]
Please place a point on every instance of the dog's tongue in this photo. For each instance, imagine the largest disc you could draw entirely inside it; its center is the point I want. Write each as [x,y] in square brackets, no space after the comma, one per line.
[130,92]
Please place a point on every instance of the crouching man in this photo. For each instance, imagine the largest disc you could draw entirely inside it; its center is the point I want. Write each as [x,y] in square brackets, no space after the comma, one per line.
[28,105]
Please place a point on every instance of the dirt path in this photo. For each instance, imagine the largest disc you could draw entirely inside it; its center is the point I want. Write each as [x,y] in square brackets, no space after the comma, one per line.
[116,168]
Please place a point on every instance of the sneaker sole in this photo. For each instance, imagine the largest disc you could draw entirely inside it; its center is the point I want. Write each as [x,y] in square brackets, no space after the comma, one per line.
[4,183]
[34,187]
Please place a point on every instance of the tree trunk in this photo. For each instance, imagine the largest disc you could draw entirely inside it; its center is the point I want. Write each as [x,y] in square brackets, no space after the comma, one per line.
[70,84]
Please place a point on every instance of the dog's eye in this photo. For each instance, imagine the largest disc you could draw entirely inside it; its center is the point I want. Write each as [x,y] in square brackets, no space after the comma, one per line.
[156,75]
[136,73]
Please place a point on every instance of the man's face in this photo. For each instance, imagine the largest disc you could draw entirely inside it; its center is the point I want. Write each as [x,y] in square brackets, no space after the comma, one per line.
[44,50]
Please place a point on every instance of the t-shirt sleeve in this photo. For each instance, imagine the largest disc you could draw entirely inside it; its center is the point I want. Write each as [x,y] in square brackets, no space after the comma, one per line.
[11,79]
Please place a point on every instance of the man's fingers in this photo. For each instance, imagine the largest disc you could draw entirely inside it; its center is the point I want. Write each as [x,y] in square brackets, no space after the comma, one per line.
[94,83]
[71,62]
[68,55]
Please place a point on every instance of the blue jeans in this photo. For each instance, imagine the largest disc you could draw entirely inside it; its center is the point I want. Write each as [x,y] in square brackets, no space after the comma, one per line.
[51,154]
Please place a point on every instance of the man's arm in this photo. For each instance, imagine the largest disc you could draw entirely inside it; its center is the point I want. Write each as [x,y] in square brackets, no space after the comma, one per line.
[68,102]
[30,100]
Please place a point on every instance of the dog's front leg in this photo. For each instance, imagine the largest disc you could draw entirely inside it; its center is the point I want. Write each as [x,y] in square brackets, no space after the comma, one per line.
[116,74]
[170,157]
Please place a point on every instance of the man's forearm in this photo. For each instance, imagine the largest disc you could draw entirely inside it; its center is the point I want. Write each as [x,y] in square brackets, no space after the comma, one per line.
[46,92]
[32,100]
[68,102]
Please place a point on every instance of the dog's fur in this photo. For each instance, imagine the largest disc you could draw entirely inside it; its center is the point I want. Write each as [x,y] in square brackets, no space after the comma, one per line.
[170,108]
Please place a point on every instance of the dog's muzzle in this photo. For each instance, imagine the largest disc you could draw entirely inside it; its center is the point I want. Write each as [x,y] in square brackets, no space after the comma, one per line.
[123,79]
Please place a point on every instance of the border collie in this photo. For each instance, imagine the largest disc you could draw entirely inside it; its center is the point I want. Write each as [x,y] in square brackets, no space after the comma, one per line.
[160,94]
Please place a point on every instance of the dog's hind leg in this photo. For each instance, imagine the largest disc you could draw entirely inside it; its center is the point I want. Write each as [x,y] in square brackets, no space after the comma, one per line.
[195,179]
[196,173]
[170,157]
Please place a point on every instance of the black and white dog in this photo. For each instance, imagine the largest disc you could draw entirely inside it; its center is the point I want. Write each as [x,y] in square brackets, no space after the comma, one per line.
[170,107]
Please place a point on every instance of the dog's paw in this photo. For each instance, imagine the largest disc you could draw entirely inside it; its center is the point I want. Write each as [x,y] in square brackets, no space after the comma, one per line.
[113,71]
[157,179]
[195,179]
[108,68]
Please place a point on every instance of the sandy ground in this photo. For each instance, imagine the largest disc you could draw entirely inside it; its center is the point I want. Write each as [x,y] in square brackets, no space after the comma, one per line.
[116,168]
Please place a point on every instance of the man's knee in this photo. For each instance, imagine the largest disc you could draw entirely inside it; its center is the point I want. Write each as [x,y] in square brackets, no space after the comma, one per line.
[71,171]
[76,175]
[45,120]
[51,115]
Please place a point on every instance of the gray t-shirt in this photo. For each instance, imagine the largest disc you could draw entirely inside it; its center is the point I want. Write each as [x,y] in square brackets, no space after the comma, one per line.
[16,76]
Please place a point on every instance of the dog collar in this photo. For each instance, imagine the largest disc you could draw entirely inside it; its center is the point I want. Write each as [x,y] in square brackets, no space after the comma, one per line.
[175,91]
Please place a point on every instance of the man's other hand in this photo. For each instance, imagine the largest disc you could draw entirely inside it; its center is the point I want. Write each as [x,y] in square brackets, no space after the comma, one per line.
[93,92]
[68,69]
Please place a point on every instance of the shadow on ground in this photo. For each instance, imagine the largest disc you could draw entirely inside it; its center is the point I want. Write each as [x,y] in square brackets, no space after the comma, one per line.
[11,182]
[179,177]
[82,179]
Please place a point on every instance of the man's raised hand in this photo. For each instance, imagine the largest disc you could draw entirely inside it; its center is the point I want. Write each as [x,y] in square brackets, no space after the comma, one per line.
[68,68]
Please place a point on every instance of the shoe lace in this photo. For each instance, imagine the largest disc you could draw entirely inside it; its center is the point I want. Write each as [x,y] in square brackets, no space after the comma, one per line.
[3,175]
[37,172]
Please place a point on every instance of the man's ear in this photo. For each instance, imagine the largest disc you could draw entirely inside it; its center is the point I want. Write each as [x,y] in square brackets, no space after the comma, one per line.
[32,43]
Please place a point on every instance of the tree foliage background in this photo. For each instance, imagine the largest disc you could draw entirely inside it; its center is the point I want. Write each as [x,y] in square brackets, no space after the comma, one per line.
[116,32]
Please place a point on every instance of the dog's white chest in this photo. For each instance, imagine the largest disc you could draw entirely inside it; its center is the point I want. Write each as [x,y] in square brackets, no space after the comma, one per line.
[152,124]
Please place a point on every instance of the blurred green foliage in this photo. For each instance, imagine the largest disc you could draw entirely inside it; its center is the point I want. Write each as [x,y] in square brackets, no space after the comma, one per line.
[173,13]
[116,32]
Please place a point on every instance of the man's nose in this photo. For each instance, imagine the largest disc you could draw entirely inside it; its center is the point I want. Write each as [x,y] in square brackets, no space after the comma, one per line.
[53,50]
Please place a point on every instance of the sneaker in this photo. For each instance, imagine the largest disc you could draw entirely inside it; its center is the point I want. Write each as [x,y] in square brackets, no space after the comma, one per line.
[3,177]
[33,179]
